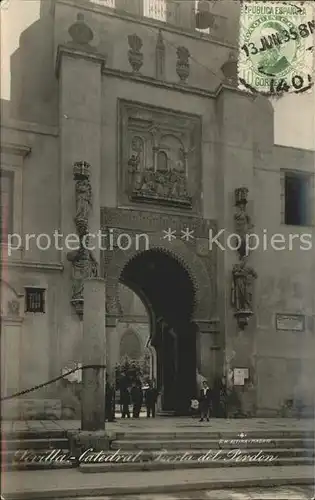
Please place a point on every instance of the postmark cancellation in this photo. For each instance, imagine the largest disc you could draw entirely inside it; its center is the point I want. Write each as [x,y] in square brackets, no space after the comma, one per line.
[276,47]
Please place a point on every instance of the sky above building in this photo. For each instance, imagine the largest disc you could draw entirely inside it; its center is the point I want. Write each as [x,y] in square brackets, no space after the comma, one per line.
[294,114]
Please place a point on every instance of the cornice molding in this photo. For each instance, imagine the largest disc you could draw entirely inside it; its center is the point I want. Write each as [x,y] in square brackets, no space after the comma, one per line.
[15,149]
[11,320]
[176,87]
[77,52]
[37,266]
[233,88]
[28,127]
[148,80]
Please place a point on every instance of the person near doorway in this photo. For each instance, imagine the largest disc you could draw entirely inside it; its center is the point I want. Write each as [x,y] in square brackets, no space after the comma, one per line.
[151,396]
[109,401]
[136,398]
[124,399]
[204,402]
[218,398]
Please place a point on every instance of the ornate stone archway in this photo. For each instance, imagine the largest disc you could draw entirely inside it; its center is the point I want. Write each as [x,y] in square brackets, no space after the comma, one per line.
[116,261]
[194,257]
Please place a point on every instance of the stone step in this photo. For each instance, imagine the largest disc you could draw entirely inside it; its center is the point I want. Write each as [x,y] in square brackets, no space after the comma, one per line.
[30,459]
[36,444]
[177,465]
[204,433]
[281,452]
[184,444]
[35,434]
[13,460]
[36,466]
[9,456]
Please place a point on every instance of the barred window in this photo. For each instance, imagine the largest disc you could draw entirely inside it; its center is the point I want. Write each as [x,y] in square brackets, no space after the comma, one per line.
[6,215]
[35,300]
[106,3]
[156,9]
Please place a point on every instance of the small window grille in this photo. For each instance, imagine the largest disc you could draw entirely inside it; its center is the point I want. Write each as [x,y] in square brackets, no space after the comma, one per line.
[35,300]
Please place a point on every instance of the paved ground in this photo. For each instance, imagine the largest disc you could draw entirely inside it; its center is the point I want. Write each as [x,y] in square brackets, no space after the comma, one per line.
[65,482]
[293,493]
[170,424]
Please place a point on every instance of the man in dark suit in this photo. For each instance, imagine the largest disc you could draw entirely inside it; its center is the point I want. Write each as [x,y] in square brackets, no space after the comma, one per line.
[136,398]
[204,402]
[124,398]
[151,395]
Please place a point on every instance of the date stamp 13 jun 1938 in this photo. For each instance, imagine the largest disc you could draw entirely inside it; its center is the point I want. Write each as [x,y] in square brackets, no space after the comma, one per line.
[276,47]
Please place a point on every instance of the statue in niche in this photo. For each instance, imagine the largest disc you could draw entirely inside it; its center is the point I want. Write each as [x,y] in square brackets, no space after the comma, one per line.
[135,163]
[242,286]
[242,220]
[83,262]
[84,266]
[84,198]
[83,193]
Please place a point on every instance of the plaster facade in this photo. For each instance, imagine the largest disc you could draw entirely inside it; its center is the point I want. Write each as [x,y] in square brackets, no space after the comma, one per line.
[69,110]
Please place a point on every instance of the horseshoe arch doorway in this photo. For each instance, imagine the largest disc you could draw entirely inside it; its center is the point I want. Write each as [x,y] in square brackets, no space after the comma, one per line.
[167,290]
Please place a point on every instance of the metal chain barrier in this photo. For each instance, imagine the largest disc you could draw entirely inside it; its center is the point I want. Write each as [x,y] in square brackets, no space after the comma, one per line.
[26,391]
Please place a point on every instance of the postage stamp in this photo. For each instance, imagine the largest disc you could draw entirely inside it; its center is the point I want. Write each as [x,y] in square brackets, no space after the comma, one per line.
[276,47]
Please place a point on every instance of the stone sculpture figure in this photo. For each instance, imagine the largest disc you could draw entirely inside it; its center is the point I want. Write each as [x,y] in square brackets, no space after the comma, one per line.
[242,286]
[242,220]
[182,64]
[83,205]
[84,264]
[13,308]
[135,57]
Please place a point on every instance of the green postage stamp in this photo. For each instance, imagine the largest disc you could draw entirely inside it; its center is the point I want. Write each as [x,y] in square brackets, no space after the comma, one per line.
[276,47]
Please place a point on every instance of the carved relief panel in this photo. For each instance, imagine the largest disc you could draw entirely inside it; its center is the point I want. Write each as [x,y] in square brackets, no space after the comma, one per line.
[159,157]
[11,303]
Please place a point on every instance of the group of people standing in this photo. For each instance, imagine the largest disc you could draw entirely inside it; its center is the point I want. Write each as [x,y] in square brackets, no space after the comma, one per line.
[135,395]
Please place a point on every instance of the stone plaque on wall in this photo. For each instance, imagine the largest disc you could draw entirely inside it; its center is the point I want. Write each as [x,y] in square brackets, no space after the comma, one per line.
[159,157]
[290,322]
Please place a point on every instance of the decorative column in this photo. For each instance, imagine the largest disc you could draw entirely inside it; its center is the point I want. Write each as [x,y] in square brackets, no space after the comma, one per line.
[92,433]
[79,70]
[94,345]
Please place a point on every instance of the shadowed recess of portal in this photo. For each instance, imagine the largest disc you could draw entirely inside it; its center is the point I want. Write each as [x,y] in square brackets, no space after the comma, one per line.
[167,288]
[130,345]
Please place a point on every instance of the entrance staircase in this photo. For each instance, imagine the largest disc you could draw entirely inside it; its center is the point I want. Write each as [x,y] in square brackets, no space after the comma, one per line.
[183,450]
[164,450]
[23,450]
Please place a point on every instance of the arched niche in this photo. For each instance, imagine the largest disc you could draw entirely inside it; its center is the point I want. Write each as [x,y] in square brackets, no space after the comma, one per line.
[130,345]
